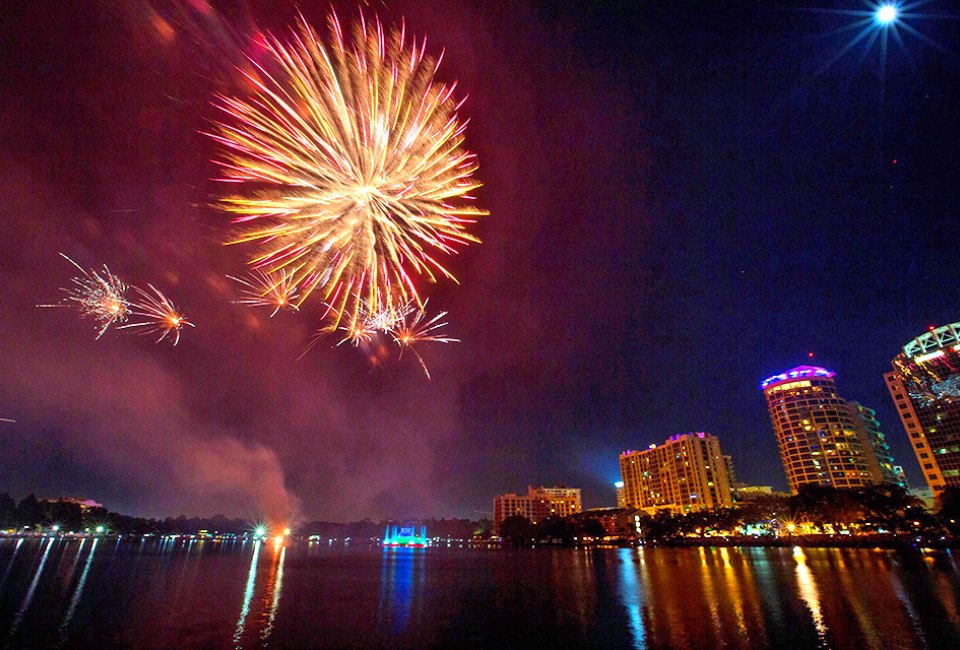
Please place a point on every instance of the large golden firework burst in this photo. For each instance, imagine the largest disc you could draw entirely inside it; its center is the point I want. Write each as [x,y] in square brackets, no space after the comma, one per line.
[349,167]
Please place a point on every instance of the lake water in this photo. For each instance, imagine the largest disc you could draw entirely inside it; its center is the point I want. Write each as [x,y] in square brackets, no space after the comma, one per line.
[150,594]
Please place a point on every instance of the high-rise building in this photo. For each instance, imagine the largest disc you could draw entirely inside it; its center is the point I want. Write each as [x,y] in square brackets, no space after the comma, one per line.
[879,459]
[684,474]
[731,473]
[537,504]
[621,499]
[925,386]
[816,435]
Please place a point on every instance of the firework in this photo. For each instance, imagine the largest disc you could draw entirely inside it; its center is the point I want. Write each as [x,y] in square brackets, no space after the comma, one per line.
[263,290]
[348,167]
[99,295]
[158,315]
[415,328]
[355,334]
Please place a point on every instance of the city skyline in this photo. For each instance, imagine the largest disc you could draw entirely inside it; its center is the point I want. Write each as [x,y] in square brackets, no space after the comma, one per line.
[682,202]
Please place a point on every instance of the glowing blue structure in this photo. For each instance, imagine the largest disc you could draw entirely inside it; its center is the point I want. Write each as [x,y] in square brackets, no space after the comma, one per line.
[405,536]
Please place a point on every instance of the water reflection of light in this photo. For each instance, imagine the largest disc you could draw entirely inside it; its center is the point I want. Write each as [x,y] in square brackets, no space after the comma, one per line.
[274,587]
[398,577]
[853,594]
[75,599]
[710,588]
[580,586]
[630,596]
[808,591]
[734,591]
[248,593]
[13,557]
[18,619]
[908,606]
[73,566]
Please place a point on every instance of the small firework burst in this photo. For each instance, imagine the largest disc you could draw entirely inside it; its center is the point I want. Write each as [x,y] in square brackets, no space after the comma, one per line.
[373,322]
[415,328]
[406,323]
[356,335]
[100,295]
[158,314]
[389,317]
[261,289]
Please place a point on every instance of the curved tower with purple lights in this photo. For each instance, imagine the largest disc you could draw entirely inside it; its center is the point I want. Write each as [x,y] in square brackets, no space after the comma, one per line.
[816,435]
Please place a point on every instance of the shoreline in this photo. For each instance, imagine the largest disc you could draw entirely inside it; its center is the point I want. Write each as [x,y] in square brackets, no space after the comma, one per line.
[804,541]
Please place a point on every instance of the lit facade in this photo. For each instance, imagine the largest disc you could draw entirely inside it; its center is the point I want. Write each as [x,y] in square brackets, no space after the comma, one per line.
[879,459]
[685,474]
[925,387]
[816,434]
[537,504]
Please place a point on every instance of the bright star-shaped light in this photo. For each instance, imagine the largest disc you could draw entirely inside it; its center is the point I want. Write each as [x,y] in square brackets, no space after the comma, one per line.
[886,14]
[880,24]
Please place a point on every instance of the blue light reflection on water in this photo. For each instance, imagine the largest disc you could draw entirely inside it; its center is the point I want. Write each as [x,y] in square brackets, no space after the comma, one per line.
[6,572]
[78,592]
[400,577]
[18,619]
[631,594]
[247,593]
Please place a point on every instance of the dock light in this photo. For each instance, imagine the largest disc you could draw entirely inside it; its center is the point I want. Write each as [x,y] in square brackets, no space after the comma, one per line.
[286,531]
[99,529]
[791,527]
[886,14]
[260,531]
[55,528]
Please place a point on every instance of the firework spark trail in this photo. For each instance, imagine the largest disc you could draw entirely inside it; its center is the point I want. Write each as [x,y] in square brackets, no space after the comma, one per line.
[159,314]
[100,295]
[348,166]
[265,290]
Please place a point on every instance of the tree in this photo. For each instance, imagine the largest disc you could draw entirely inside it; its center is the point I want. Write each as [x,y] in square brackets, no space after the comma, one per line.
[949,509]
[591,528]
[69,516]
[662,526]
[8,511]
[823,504]
[94,517]
[29,512]
[483,528]
[885,507]
[516,530]
[555,530]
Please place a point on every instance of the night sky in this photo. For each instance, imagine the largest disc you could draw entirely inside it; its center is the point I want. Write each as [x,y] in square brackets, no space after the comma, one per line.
[685,198]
